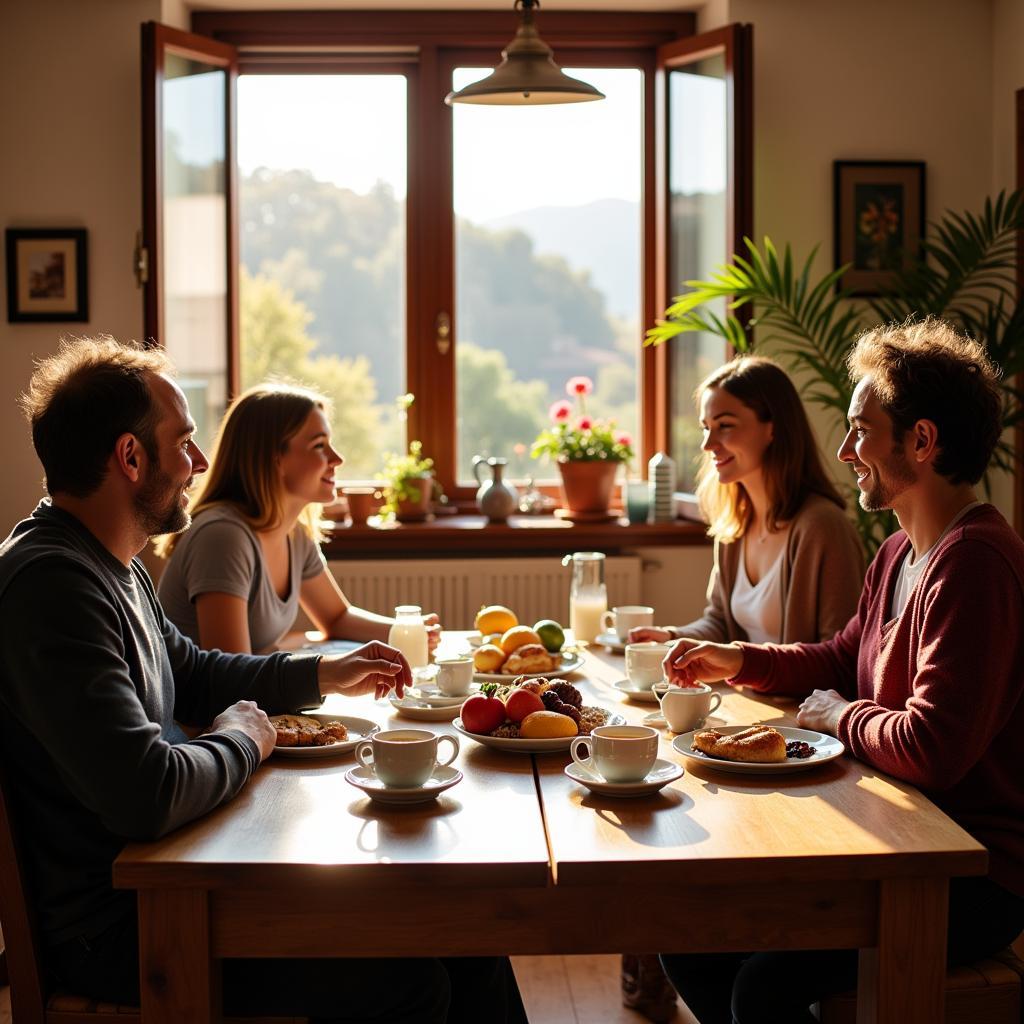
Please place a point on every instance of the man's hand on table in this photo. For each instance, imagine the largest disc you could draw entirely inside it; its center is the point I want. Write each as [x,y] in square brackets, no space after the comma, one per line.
[697,661]
[248,717]
[821,711]
[373,668]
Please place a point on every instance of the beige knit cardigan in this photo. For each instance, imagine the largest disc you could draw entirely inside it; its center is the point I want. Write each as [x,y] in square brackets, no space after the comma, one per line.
[822,574]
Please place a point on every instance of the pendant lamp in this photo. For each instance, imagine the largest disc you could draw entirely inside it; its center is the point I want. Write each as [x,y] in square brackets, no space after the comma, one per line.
[527,74]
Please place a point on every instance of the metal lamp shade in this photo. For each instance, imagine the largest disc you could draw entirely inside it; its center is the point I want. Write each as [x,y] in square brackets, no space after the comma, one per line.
[526,76]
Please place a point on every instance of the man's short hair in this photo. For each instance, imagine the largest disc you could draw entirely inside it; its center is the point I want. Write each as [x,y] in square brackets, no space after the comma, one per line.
[928,371]
[82,399]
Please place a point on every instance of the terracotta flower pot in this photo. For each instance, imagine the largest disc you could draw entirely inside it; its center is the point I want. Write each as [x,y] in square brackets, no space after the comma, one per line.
[588,485]
[411,510]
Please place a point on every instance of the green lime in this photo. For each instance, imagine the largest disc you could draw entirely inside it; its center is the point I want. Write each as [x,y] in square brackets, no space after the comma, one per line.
[551,634]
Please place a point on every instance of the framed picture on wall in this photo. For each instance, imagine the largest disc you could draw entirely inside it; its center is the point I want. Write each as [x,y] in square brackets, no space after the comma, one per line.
[47,275]
[879,220]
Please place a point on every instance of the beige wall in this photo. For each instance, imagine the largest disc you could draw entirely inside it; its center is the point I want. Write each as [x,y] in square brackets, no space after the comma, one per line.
[69,118]
[1007,78]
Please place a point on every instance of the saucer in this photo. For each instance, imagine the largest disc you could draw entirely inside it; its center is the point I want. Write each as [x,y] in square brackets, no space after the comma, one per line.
[660,775]
[429,694]
[655,719]
[365,778]
[413,707]
[643,695]
[611,641]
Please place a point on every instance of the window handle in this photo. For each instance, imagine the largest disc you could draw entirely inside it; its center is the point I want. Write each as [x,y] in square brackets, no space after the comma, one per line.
[443,332]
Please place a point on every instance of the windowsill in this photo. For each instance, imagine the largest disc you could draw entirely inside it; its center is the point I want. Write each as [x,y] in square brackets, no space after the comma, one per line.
[472,536]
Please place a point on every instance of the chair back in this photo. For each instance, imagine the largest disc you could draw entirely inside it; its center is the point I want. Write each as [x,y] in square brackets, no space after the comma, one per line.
[28,1002]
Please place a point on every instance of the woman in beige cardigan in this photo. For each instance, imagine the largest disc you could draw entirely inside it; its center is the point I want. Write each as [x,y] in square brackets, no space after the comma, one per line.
[788,563]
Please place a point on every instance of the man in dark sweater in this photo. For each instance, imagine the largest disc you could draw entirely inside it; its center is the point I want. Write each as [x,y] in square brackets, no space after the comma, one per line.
[925,681]
[94,678]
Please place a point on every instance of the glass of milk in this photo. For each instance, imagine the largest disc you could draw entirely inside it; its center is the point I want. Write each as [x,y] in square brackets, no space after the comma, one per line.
[409,634]
[588,598]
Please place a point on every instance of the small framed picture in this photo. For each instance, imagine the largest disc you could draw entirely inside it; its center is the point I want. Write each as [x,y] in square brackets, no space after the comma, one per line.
[879,221]
[47,275]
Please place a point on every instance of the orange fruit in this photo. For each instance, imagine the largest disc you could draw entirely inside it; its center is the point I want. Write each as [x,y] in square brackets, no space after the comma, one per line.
[516,637]
[488,658]
[495,618]
[545,725]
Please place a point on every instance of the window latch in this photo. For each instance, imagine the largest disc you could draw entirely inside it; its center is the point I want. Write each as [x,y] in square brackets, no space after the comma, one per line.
[140,261]
[443,332]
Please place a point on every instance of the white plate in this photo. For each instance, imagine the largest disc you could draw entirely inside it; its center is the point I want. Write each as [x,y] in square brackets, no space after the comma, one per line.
[611,641]
[430,694]
[365,778]
[521,746]
[640,694]
[660,775]
[475,639]
[570,663]
[655,719]
[358,729]
[412,707]
[827,748]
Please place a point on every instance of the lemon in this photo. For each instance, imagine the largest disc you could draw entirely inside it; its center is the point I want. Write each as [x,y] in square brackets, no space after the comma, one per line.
[488,658]
[517,636]
[495,618]
[545,725]
[551,634]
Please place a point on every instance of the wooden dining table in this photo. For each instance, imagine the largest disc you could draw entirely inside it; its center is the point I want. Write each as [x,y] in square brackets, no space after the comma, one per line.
[519,859]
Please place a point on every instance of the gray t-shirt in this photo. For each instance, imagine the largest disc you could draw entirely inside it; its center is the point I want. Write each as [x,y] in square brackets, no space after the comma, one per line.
[221,554]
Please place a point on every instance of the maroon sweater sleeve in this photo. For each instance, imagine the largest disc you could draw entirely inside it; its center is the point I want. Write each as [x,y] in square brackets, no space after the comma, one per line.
[933,725]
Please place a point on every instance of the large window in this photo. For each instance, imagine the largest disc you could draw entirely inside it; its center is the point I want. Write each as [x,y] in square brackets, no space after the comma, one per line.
[475,257]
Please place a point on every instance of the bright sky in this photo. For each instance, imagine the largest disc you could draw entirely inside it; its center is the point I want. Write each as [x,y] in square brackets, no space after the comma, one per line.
[350,129]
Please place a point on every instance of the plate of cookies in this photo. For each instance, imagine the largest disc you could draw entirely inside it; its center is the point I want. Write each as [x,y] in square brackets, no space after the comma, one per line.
[758,749]
[313,735]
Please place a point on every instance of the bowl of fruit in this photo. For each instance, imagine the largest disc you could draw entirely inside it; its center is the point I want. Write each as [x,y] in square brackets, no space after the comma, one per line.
[530,716]
[509,649]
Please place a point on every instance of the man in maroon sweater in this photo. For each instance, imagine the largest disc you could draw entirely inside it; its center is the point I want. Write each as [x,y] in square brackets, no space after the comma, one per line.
[925,681]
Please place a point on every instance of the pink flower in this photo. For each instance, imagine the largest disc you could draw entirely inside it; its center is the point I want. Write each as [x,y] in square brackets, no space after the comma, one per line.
[624,439]
[560,411]
[584,423]
[579,386]
[519,449]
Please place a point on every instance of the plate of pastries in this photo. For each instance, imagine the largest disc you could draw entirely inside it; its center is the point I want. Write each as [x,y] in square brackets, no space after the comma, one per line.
[314,734]
[758,749]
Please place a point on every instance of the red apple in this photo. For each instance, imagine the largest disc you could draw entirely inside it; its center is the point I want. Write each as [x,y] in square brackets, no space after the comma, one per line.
[520,703]
[482,714]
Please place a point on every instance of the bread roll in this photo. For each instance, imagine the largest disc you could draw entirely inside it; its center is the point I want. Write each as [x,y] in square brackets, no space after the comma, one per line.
[760,744]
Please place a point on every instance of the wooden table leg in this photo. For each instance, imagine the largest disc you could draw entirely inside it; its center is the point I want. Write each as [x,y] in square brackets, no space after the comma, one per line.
[903,979]
[179,979]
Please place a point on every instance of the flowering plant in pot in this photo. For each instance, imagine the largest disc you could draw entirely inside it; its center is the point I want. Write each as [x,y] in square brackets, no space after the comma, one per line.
[587,451]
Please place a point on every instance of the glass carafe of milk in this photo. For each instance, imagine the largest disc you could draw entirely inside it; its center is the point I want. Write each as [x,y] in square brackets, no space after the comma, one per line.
[588,599]
[409,634]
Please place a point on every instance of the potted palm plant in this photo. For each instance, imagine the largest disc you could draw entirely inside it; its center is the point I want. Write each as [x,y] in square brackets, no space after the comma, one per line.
[587,451]
[966,274]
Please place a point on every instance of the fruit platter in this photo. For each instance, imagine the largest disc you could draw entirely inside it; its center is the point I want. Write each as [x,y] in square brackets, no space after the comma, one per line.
[530,716]
[509,649]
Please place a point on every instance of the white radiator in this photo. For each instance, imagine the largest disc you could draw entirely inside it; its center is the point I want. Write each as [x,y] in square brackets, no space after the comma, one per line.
[534,588]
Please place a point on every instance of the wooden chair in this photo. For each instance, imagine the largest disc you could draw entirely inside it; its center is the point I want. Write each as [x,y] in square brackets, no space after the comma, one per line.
[30,1003]
[986,992]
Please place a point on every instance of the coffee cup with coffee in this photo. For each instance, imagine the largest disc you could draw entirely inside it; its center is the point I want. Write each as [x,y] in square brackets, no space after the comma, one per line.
[454,676]
[619,753]
[686,707]
[404,757]
[643,663]
[621,619]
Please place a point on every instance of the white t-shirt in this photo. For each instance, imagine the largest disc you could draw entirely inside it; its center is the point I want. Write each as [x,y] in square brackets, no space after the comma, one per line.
[757,609]
[912,568]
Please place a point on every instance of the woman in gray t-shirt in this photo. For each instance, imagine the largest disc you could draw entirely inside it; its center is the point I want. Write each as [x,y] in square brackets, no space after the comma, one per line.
[236,579]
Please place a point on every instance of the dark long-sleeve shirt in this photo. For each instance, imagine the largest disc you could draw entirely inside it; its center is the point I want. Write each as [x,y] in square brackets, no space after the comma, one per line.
[93,679]
[937,692]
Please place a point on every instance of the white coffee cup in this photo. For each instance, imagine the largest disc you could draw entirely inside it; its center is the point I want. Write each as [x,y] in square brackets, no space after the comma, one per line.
[623,618]
[404,757]
[620,753]
[686,707]
[643,663]
[454,676]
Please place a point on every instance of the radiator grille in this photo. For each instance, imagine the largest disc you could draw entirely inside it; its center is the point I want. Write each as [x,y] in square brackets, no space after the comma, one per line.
[534,588]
